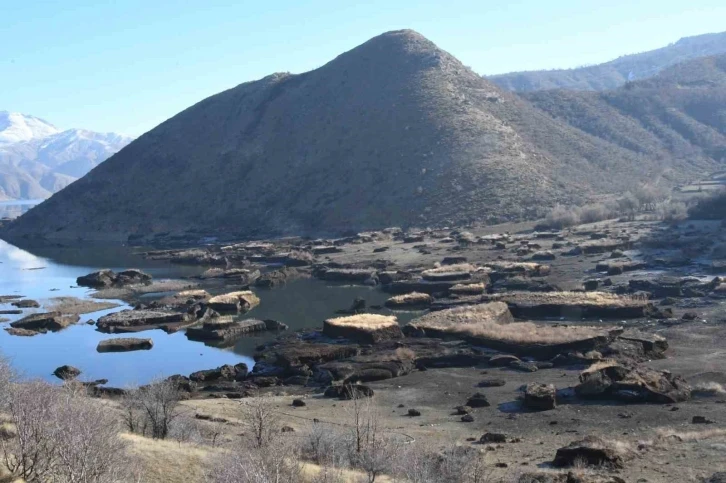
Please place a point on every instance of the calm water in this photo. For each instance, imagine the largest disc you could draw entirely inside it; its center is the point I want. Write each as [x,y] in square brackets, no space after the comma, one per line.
[45,272]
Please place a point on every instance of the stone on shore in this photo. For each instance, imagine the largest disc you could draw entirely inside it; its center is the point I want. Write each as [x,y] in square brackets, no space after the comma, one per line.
[109,278]
[234,302]
[136,320]
[42,322]
[410,300]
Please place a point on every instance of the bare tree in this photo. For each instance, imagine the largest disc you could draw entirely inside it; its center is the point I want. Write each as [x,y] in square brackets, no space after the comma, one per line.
[369,449]
[30,454]
[153,409]
[260,421]
[277,461]
[88,447]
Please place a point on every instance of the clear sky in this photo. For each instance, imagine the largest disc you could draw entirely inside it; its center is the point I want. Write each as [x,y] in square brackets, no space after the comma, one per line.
[127,65]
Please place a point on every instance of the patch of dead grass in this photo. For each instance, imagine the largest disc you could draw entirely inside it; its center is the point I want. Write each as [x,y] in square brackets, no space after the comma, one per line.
[364,321]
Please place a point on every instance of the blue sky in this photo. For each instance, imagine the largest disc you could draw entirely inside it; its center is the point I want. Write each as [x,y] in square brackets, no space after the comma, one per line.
[126,66]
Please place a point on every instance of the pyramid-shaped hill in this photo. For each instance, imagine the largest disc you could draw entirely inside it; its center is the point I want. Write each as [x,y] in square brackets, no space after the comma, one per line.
[393,132]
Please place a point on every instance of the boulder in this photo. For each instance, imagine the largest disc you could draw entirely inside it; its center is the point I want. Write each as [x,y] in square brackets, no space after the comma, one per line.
[540,397]
[363,328]
[100,279]
[477,400]
[227,372]
[493,438]
[592,451]
[234,302]
[67,373]
[413,300]
[124,345]
[350,275]
[225,328]
[42,322]
[21,332]
[109,278]
[26,304]
[461,271]
[134,320]
[610,380]
[524,366]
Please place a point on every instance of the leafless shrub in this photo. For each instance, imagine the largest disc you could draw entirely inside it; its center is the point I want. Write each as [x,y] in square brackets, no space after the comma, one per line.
[7,376]
[322,445]
[278,461]
[369,448]
[672,211]
[61,435]
[30,454]
[260,421]
[152,410]
[629,205]
[86,436]
[594,212]
[562,217]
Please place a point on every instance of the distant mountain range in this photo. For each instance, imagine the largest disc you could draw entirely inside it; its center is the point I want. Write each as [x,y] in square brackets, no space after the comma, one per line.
[37,159]
[395,132]
[615,73]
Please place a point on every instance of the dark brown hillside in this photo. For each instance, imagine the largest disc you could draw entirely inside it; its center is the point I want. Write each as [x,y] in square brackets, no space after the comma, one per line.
[679,114]
[393,132]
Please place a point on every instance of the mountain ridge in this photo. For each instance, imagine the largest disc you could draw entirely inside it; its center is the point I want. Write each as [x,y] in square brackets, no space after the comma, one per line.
[37,159]
[614,73]
[393,132]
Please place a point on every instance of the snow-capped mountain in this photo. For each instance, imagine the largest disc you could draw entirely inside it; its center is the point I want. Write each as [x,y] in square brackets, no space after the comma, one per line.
[37,159]
[16,127]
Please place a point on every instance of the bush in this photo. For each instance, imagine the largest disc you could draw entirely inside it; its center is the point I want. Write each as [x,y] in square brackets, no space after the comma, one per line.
[594,212]
[562,217]
[61,435]
[672,211]
[152,410]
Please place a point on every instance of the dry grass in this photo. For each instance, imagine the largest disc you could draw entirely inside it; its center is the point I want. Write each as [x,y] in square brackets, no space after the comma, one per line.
[591,299]
[412,298]
[194,293]
[709,388]
[364,321]
[460,267]
[245,296]
[493,321]
[683,436]
[468,289]
[166,461]
[524,267]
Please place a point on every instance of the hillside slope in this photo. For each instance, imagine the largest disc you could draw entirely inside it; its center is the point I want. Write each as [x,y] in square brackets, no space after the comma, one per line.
[393,132]
[679,113]
[615,73]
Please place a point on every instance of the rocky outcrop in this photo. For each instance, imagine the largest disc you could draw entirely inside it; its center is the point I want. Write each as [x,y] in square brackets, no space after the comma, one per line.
[225,328]
[234,302]
[137,320]
[109,278]
[363,328]
[124,345]
[238,372]
[413,300]
[610,380]
[42,322]
[593,451]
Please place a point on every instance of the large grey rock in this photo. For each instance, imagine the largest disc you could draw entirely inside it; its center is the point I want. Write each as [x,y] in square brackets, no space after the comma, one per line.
[124,345]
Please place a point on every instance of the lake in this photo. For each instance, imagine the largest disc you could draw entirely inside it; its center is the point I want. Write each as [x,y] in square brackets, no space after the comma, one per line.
[46,272]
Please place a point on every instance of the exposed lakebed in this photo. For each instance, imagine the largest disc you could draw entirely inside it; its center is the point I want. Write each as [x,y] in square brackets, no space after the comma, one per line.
[51,272]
